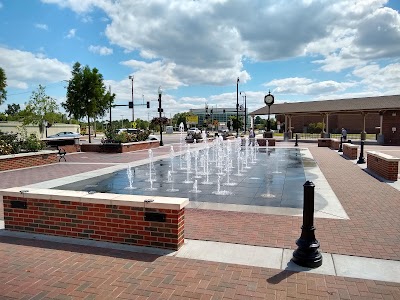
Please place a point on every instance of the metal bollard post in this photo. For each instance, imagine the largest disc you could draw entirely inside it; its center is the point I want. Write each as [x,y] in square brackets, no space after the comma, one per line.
[307,253]
[296,144]
[341,144]
[361,159]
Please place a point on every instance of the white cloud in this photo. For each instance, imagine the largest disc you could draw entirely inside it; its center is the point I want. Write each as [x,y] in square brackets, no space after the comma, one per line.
[380,79]
[306,86]
[78,6]
[100,50]
[71,33]
[42,26]
[23,67]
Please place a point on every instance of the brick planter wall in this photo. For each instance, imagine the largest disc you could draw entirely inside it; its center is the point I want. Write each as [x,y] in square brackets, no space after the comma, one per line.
[324,142]
[335,144]
[84,219]
[24,160]
[71,148]
[350,151]
[384,165]
[262,142]
[119,148]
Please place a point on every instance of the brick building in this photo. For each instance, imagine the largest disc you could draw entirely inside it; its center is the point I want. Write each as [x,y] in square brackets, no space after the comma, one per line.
[358,115]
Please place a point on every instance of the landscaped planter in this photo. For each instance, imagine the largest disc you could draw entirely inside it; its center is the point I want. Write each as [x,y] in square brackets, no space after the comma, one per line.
[119,148]
[25,160]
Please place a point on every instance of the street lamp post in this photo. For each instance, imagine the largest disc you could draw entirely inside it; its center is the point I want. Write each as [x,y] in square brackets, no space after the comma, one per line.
[269,100]
[133,107]
[160,111]
[245,111]
[237,107]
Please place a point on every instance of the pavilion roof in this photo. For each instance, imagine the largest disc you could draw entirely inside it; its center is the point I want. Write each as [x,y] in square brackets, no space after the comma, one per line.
[351,105]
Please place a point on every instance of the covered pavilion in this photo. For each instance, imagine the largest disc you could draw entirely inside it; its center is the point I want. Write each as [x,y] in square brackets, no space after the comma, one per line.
[369,113]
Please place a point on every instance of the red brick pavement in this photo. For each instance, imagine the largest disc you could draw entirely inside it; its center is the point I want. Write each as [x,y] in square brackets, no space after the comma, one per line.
[373,207]
[32,269]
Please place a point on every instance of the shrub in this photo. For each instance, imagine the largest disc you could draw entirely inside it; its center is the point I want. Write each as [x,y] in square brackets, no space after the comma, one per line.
[32,143]
[124,137]
[5,148]
[10,140]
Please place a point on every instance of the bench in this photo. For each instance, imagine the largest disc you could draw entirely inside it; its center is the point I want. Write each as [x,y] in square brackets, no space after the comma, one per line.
[61,151]
[61,154]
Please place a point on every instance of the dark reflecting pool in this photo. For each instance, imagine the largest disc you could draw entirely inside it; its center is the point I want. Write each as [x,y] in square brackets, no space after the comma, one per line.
[273,177]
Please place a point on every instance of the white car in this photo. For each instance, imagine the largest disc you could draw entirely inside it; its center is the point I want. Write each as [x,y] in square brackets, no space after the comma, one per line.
[64,134]
[152,138]
[193,130]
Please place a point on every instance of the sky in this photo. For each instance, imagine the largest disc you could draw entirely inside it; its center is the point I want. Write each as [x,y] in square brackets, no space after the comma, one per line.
[300,50]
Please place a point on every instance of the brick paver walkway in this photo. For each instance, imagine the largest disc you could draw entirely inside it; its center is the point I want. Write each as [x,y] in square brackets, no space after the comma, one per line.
[372,206]
[44,270]
[31,269]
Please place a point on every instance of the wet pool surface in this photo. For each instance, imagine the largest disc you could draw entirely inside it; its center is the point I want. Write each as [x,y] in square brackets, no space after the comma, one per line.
[273,177]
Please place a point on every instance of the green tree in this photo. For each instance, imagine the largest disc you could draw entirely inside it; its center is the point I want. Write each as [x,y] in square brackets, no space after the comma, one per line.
[142,124]
[13,109]
[3,85]
[41,109]
[181,117]
[87,95]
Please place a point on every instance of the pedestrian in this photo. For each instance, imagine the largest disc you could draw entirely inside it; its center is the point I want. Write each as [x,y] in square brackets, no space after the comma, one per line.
[251,136]
[344,134]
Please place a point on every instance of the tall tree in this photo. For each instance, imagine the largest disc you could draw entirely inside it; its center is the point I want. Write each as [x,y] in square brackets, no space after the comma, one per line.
[3,85]
[41,109]
[86,94]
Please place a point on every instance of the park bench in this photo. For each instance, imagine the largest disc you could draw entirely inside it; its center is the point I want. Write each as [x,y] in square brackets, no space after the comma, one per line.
[61,154]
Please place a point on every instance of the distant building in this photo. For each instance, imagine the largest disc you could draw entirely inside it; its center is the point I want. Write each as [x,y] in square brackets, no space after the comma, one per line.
[222,115]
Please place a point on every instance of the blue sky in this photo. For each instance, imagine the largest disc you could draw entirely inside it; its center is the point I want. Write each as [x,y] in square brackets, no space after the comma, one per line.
[301,50]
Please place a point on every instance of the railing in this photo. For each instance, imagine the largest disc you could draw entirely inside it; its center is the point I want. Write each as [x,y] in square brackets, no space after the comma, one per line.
[350,136]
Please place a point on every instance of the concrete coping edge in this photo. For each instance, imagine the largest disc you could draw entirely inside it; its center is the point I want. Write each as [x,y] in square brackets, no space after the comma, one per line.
[383,156]
[97,198]
[42,152]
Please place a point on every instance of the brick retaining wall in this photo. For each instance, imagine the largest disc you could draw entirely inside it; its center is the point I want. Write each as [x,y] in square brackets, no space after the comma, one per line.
[335,144]
[90,219]
[25,160]
[350,151]
[119,148]
[262,142]
[384,165]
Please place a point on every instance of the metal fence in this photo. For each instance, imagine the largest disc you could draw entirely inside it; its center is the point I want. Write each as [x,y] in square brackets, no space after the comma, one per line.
[350,136]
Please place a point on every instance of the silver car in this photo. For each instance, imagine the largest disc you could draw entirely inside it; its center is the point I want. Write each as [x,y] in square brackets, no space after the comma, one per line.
[64,134]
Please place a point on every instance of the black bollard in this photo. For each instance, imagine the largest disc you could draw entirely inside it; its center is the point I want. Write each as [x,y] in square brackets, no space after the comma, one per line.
[307,253]
[361,159]
[341,144]
[296,144]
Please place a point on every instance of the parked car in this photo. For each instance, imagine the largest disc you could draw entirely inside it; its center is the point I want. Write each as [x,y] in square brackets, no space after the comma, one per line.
[193,130]
[128,130]
[152,138]
[64,134]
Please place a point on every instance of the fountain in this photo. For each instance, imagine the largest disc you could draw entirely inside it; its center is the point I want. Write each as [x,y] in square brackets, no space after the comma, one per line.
[188,166]
[171,180]
[218,191]
[130,177]
[195,189]
[171,158]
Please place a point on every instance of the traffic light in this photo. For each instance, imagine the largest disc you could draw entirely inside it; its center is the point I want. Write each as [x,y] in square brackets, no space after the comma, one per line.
[224,110]
[211,110]
[130,104]
[148,104]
